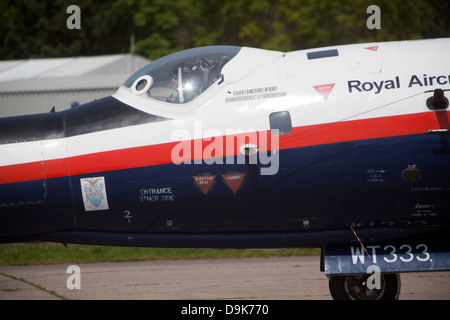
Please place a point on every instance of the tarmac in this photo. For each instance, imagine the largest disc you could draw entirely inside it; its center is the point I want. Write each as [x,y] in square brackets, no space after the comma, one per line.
[277,278]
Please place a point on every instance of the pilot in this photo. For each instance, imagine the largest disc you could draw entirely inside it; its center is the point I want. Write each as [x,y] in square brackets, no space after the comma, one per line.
[186,83]
[190,80]
[216,70]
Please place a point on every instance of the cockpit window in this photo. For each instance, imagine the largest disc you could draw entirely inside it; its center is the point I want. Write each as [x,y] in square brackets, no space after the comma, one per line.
[182,76]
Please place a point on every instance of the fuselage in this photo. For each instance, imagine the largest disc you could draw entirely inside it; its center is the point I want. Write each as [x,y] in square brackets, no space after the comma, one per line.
[283,149]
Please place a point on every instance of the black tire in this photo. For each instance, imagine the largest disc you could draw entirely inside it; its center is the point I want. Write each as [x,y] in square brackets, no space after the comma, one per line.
[354,287]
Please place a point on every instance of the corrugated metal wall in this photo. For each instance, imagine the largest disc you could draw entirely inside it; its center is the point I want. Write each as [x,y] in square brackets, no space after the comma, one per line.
[41,102]
[38,85]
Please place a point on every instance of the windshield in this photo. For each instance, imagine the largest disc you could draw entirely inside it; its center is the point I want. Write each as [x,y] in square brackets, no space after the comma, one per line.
[182,76]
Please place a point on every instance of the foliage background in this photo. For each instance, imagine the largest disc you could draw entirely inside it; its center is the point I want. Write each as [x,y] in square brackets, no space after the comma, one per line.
[37,29]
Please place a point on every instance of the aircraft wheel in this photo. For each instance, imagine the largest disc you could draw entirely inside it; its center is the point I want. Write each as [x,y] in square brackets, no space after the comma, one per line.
[354,287]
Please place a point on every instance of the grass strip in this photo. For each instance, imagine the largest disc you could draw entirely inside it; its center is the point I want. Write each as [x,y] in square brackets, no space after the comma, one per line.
[52,253]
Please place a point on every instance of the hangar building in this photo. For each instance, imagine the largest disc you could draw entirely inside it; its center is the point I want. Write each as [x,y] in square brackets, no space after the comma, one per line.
[38,85]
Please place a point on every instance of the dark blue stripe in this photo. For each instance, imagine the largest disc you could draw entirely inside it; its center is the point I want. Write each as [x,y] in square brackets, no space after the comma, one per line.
[322,54]
[103,114]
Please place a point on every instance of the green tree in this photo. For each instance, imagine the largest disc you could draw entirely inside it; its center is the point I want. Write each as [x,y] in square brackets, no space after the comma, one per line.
[33,28]
[37,29]
[323,23]
[283,25]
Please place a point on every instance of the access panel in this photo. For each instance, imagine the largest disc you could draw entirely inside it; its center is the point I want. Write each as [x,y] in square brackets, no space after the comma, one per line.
[389,257]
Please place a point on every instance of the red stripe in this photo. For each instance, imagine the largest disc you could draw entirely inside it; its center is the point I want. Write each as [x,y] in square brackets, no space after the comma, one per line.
[161,154]
[365,129]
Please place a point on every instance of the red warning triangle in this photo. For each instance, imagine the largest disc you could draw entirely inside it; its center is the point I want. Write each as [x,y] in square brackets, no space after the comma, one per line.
[324,89]
[374,48]
[234,181]
[204,182]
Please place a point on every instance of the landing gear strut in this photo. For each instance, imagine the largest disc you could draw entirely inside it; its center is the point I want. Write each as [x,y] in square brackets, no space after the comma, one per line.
[354,287]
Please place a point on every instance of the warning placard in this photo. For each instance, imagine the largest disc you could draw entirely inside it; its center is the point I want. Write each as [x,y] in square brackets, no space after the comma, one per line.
[324,90]
[204,182]
[234,181]
[373,48]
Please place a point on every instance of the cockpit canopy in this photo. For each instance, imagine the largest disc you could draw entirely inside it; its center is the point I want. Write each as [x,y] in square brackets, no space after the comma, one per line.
[181,76]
